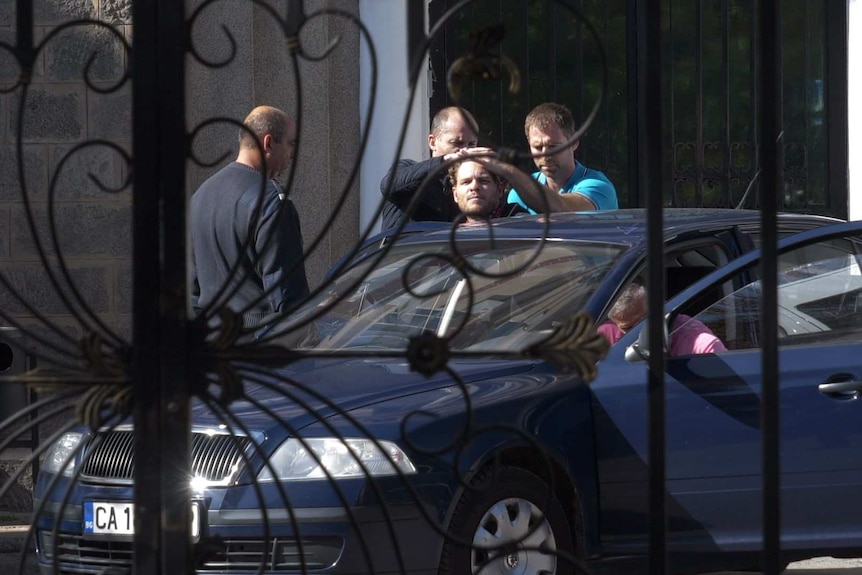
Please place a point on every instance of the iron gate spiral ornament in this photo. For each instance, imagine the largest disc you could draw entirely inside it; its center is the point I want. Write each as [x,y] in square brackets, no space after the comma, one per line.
[483,63]
[574,346]
[427,354]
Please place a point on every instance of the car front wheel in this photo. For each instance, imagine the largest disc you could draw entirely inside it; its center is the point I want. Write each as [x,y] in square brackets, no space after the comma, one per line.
[514,525]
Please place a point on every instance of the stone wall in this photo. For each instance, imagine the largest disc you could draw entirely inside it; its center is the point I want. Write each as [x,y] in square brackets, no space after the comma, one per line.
[74,203]
[89,227]
[322,95]
[64,116]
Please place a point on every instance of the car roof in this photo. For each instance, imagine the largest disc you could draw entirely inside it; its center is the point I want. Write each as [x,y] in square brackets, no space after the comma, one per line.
[625,226]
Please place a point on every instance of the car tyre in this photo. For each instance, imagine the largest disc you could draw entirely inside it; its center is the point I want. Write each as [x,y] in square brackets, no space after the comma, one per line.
[506,510]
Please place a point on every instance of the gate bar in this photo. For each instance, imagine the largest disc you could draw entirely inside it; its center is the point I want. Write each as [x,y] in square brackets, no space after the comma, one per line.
[161,388]
[24,33]
[771,144]
[649,73]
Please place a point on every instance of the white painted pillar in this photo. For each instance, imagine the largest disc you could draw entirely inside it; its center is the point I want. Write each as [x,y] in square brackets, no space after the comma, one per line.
[386,21]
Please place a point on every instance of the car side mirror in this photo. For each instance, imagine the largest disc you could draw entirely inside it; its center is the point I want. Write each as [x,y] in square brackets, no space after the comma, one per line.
[639,350]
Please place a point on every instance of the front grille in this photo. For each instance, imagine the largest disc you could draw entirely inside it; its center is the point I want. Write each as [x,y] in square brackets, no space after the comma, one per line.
[276,554]
[115,557]
[214,456]
[74,550]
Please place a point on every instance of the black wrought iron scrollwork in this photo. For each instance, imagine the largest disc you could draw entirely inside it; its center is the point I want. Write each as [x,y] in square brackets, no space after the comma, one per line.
[483,62]
[85,379]
[113,399]
[427,353]
[574,345]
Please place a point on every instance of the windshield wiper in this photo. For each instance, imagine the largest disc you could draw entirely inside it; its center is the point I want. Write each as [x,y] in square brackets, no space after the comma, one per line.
[450,307]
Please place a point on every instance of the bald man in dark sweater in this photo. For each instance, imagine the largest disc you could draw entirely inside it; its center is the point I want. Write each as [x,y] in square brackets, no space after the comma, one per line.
[241,219]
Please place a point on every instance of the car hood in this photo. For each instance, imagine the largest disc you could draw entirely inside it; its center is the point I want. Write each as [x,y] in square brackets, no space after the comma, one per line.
[313,389]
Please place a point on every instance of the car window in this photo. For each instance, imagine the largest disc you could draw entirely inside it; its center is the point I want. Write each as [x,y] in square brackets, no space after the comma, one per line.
[504,296]
[755,233]
[685,264]
[819,299]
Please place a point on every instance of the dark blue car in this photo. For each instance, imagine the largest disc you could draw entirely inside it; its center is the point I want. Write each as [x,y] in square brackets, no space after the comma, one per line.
[496,459]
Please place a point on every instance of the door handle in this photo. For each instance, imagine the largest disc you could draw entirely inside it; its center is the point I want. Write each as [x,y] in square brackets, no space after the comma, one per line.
[841,386]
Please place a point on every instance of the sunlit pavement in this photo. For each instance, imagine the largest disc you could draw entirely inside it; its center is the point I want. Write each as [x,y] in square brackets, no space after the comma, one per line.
[819,566]
[825,565]
[847,566]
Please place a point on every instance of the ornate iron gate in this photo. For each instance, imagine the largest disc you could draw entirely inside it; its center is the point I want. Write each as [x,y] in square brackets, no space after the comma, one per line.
[151,376]
[710,52]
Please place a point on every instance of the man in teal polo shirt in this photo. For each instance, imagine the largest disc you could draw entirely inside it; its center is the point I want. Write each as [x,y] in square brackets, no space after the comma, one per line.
[565,184]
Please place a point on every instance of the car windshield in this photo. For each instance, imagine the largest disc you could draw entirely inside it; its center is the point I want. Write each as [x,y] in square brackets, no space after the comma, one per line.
[500,300]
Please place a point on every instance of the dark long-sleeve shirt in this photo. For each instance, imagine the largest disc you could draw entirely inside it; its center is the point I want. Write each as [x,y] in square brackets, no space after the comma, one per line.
[436,203]
[222,217]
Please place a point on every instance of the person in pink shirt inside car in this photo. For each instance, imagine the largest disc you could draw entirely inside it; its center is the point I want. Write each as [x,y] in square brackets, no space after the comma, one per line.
[688,336]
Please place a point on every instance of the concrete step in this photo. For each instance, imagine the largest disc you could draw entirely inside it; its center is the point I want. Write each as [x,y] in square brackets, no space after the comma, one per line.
[19,497]
[13,531]
[16,503]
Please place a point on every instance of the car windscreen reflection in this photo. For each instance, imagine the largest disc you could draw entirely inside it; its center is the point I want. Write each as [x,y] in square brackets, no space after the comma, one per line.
[499,297]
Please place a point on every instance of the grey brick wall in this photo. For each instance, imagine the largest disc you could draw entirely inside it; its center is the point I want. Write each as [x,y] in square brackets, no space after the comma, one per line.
[69,104]
[49,113]
[65,144]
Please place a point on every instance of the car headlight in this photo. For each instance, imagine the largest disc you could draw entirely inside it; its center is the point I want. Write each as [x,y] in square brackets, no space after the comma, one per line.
[60,458]
[340,457]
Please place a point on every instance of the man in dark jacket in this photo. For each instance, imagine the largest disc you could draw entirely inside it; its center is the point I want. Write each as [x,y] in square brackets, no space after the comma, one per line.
[246,241]
[453,132]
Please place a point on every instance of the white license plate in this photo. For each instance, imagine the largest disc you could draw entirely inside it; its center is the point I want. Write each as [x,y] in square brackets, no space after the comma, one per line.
[118,518]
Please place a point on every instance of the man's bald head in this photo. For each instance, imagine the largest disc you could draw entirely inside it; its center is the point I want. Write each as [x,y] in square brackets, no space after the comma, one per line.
[452,129]
[276,140]
[452,113]
[261,121]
